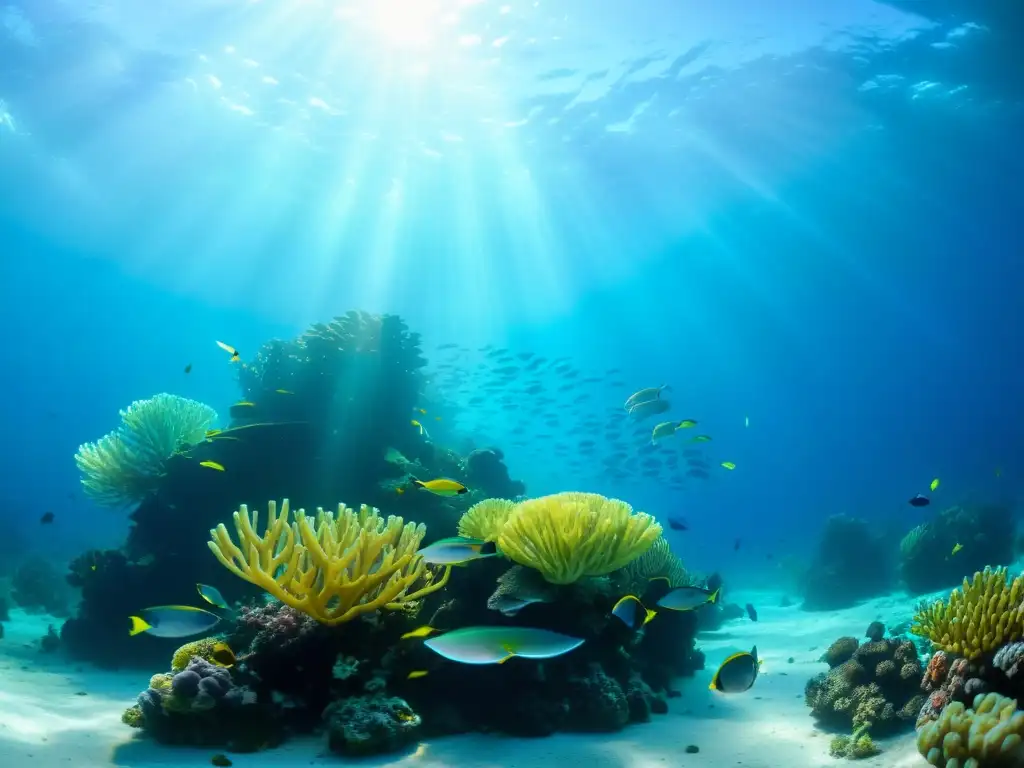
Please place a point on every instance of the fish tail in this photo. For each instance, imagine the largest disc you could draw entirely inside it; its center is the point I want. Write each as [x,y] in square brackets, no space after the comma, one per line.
[714,596]
[138,626]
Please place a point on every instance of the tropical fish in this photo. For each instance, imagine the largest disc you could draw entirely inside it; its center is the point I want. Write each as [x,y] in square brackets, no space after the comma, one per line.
[510,605]
[284,392]
[416,673]
[677,523]
[919,500]
[645,396]
[728,465]
[934,484]
[496,645]
[737,673]
[212,595]
[441,486]
[173,621]
[631,612]
[188,368]
[956,548]
[668,428]
[641,411]
[687,598]
[241,409]
[222,655]
[700,439]
[423,631]
[230,350]
[399,490]
[421,428]
[46,519]
[212,465]
[456,550]
[751,612]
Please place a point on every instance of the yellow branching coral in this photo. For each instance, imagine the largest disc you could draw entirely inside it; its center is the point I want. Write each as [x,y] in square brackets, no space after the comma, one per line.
[979,616]
[570,535]
[334,567]
[992,733]
[125,466]
[485,519]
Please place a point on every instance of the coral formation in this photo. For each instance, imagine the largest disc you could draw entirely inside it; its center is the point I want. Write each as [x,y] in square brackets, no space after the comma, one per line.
[658,562]
[485,519]
[368,725]
[876,684]
[37,587]
[984,531]
[988,734]
[978,617]
[335,567]
[838,578]
[125,466]
[570,535]
[855,747]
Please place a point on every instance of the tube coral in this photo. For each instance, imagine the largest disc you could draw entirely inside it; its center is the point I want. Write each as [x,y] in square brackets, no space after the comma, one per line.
[126,465]
[979,616]
[570,535]
[334,567]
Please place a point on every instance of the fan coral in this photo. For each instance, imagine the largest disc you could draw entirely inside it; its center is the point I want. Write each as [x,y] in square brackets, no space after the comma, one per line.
[519,587]
[124,467]
[989,734]
[978,617]
[570,535]
[334,568]
[485,519]
[656,562]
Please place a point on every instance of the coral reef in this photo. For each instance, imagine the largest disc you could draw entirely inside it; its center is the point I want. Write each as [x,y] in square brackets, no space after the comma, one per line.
[486,471]
[335,567]
[988,734]
[125,466]
[368,725]
[874,685]
[571,535]
[854,747]
[978,617]
[984,531]
[838,577]
[38,587]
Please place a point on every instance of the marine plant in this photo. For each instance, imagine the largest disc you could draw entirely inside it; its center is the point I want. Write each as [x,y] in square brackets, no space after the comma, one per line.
[658,562]
[334,567]
[989,733]
[978,617]
[567,536]
[485,519]
[125,466]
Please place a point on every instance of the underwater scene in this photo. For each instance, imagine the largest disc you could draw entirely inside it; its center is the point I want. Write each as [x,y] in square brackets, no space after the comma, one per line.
[497,384]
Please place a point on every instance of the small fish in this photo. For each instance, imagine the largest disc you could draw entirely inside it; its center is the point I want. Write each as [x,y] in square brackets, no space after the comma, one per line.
[173,621]
[728,465]
[509,605]
[212,433]
[284,392]
[230,350]
[46,519]
[496,645]
[441,486]
[421,411]
[416,674]
[934,484]
[644,396]
[456,550]
[956,548]
[222,655]
[424,631]
[212,465]
[668,428]
[399,490]
[920,500]
[641,411]
[212,595]
[421,428]
[677,523]
[746,421]
[188,368]
[631,612]
[751,612]
[737,673]
[687,598]
[241,409]
[701,439]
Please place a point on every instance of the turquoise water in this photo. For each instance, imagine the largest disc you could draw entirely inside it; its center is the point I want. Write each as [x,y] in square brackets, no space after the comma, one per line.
[800,216]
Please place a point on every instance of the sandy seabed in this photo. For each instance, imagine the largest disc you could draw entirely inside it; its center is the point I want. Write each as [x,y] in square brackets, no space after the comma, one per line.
[56,713]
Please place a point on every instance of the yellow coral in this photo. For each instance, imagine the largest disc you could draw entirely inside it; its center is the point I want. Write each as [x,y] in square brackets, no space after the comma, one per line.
[570,535]
[979,616]
[485,519]
[334,567]
[161,682]
[989,734]
[202,648]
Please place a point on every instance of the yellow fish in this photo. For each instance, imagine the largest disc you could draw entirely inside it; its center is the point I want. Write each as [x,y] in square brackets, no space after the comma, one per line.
[423,631]
[416,673]
[728,465]
[230,350]
[442,486]
[284,392]
[422,411]
[935,484]
[399,491]
[212,465]
[701,439]
[686,424]
[956,548]
[420,427]
[222,655]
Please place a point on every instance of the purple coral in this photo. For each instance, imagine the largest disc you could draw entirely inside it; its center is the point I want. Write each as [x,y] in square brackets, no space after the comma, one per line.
[186,684]
[276,625]
[1010,659]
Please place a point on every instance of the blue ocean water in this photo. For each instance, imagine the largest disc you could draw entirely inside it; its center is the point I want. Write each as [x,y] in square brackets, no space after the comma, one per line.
[803,216]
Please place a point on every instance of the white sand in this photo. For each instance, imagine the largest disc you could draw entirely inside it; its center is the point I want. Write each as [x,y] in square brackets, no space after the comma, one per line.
[46,722]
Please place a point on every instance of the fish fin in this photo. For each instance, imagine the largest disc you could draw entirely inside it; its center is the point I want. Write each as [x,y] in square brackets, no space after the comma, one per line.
[423,631]
[712,686]
[506,658]
[650,615]
[138,626]
[714,596]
